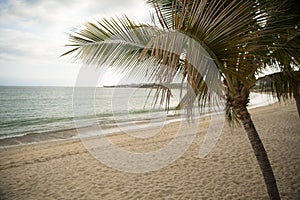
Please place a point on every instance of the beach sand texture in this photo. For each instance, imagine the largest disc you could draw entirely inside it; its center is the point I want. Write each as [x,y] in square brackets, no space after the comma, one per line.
[65,169]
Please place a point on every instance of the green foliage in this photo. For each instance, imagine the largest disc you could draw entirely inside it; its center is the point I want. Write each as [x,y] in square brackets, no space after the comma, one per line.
[280,84]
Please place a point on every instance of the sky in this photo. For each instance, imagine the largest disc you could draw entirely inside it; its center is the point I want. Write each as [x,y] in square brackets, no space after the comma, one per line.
[33,34]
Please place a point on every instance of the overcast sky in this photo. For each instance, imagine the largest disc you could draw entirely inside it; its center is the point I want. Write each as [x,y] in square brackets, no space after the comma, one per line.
[33,35]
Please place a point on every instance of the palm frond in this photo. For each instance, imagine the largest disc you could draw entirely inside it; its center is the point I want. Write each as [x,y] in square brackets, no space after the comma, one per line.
[287,53]
[174,51]
[164,12]
[123,43]
[111,42]
[281,84]
[231,116]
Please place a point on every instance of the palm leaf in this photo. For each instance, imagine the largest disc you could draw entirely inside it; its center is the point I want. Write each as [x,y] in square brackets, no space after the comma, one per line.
[280,84]
[123,43]
[174,51]
[111,42]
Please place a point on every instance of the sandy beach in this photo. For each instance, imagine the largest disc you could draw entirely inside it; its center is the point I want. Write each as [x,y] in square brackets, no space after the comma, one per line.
[66,170]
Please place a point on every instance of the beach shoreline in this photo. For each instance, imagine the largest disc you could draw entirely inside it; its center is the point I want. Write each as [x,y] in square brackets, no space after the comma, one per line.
[66,170]
[113,128]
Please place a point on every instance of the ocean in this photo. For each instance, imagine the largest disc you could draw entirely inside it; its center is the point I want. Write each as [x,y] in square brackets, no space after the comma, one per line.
[44,113]
[31,110]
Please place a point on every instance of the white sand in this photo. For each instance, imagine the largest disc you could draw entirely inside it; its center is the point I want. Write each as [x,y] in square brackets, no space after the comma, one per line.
[65,170]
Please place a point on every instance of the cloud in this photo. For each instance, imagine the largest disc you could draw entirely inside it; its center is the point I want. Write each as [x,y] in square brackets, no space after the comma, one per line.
[39,25]
[22,47]
[33,33]
[28,14]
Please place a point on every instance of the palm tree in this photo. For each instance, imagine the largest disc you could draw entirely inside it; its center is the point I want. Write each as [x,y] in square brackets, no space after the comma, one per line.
[234,35]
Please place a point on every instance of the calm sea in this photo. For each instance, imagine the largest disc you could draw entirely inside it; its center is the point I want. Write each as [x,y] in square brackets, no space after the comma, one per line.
[32,110]
[29,110]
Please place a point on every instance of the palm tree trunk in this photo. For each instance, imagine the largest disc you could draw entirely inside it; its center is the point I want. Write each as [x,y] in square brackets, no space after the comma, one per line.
[296,95]
[260,153]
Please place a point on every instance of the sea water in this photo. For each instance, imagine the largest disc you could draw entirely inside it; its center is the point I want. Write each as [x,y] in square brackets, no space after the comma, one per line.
[29,110]
[32,110]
